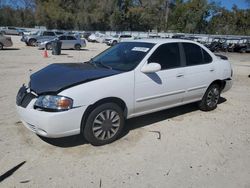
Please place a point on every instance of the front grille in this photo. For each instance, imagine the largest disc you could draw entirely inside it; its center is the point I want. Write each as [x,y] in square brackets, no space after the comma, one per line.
[23,98]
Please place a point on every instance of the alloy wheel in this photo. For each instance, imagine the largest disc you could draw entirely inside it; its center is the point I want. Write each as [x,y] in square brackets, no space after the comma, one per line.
[213,97]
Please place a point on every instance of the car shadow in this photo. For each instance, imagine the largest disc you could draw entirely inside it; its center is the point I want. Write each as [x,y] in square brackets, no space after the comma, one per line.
[9,49]
[65,142]
[130,124]
[82,49]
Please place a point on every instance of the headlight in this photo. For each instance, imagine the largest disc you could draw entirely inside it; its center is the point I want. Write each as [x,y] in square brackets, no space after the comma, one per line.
[54,103]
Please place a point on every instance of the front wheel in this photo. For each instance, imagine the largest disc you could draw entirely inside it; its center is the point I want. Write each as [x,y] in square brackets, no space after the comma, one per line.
[78,47]
[114,43]
[48,46]
[104,124]
[211,98]
[32,42]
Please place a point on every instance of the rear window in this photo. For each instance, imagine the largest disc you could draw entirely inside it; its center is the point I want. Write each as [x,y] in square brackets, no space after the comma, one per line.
[71,38]
[47,33]
[62,38]
[193,54]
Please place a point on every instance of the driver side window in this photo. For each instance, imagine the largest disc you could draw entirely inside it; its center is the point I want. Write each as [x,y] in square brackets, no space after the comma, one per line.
[167,55]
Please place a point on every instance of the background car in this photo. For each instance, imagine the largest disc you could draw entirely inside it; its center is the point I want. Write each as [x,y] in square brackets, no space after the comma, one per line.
[31,40]
[5,41]
[68,42]
[11,31]
[118,38]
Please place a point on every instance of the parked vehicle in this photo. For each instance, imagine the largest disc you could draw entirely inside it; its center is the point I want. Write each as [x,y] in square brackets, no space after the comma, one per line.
[31,40]
[12,31]
[68,42]
[242,46]
[118,38]
[5,41]
[127,80]
[86,35]
[96,37]
[218,44]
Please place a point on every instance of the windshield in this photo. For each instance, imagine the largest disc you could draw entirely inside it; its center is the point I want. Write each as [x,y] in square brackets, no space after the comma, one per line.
[124,56]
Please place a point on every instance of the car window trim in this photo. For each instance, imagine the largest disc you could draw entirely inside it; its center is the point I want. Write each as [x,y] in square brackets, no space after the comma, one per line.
[182,59]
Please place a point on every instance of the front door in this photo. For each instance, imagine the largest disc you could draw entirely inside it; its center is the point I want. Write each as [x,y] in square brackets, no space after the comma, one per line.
[165,88]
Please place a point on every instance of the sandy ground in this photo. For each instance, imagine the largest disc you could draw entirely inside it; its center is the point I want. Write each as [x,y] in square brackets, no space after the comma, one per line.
[196,149]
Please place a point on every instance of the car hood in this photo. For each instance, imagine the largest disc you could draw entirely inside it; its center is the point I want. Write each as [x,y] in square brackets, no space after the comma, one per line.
[57,77]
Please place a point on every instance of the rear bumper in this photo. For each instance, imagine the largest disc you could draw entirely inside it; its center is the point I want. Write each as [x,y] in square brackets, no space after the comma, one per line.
[228,85]
[51,124]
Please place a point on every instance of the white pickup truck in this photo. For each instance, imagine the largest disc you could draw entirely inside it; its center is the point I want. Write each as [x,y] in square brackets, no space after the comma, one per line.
[130,79]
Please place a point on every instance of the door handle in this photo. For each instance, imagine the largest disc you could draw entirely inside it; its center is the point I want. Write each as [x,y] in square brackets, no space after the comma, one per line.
[179,75]
[212,70]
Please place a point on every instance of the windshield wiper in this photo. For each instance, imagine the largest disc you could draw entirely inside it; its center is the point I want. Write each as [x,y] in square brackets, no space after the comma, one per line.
[96,63]
[103,65]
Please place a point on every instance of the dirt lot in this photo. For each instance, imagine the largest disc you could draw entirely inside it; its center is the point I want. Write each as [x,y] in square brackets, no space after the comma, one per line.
[196,149]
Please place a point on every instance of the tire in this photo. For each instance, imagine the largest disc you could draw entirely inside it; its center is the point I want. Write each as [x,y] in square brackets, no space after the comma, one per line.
[78,47]
[104,124]
[243,50]
[48,46]
[1,46]
[32,42]
[114,43]
[211,98]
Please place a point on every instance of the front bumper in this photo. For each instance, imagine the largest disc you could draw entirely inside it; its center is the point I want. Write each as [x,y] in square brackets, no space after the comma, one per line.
[51,124]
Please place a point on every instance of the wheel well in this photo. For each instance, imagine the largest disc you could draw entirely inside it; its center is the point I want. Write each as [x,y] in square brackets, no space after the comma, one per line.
[32,39]
[220,83]
[91,107]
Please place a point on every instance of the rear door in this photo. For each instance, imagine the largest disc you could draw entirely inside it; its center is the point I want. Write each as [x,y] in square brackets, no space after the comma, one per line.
[165,88]
[200,71]
[71,41]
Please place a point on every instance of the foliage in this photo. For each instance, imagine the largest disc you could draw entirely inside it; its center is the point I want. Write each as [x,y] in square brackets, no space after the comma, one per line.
[192,16]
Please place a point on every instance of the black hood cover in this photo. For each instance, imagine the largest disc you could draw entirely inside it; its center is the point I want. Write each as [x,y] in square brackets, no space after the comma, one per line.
[57,77]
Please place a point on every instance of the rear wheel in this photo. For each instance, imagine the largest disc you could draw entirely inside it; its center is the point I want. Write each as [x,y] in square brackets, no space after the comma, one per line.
[211,98]
[1,46]
[104,124]
[77,47]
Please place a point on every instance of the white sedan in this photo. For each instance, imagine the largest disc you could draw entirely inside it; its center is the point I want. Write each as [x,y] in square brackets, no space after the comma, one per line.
[127,80]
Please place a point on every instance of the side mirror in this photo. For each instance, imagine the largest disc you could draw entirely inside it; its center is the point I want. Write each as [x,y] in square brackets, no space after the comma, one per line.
[151,67]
